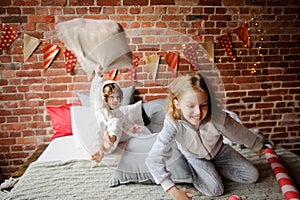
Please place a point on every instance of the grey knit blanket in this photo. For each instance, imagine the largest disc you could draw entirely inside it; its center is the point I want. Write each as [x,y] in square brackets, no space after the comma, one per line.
[77,179]
[84,179]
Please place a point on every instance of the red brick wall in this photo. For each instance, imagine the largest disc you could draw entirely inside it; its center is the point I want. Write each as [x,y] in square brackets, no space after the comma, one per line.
[267,99]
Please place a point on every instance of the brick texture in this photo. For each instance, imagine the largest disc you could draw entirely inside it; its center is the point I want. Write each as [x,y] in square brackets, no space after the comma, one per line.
[261,86]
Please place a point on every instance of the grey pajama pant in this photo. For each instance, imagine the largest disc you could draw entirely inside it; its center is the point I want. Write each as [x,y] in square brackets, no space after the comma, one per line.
[229,163]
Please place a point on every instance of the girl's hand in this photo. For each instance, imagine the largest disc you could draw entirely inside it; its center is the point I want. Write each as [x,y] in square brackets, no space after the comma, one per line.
[98,156]
[100,73]
[180,194]
[259,152]
[135,129]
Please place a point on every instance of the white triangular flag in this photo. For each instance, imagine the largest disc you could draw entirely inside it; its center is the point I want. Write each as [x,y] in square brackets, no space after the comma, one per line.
[152,64]
[209,48]
[30,44]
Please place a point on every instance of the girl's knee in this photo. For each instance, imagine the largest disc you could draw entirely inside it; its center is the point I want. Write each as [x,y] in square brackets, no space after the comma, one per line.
[254,176]
[216,191]
[211,190]
[248,177]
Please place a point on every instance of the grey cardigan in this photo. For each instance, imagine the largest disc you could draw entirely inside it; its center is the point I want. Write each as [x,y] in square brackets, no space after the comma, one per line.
[202,143]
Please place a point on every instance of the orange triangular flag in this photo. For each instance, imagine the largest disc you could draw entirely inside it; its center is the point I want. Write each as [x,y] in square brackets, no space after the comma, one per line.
[172,61]
[113,74]
[50,51]
[243,34]
[30,44]
[152,62]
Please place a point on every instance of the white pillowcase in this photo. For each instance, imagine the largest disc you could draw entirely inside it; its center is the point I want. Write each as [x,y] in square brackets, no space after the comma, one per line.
[133,113]
[84,127]
[127,95]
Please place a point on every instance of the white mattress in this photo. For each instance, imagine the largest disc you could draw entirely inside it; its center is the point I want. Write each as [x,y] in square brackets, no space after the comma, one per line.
[66,149]
[63,149]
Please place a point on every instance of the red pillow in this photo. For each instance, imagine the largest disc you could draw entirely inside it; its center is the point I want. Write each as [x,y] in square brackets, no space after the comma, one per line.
[61,120]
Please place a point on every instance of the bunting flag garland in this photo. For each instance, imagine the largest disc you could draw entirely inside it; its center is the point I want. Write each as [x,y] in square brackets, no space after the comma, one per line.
[209,48]
[9,34]
[50,51]
[131,71]
[243,34]
[136,61]
[172,61]
[70,60]
[226,42]
[112,74]
[190,53]
[30,44]
[152,62]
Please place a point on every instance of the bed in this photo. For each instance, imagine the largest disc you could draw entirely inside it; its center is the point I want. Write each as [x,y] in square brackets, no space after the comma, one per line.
[64,170]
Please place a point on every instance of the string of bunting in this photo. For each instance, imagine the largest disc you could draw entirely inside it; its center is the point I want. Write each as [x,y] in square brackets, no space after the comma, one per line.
[225,40]
[243,34]
[30,44]
[9,34]
[50,51]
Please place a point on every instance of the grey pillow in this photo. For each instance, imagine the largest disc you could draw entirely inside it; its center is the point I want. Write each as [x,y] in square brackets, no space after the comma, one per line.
[127,96]
[155,110]
[132,167]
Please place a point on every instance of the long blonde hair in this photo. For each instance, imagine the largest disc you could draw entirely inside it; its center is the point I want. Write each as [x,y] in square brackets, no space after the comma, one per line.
[179,87]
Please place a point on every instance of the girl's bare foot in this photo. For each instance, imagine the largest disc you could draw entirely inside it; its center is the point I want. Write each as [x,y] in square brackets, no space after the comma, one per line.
[108,141]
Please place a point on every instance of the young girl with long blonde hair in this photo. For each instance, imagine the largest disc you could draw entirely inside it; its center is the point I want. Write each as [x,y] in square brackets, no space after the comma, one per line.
[198,131]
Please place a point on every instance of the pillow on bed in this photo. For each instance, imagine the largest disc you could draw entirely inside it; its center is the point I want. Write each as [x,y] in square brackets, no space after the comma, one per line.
[132,167]
[61,119]
[127,96]
[85,128]
[155,110]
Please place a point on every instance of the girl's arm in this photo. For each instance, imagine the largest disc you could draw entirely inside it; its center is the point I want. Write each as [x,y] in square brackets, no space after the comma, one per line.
[161,151]
[100,107]
[238,133]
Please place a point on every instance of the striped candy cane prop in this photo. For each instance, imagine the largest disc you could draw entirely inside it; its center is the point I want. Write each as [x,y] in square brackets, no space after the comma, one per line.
[234,197]
[286,184]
